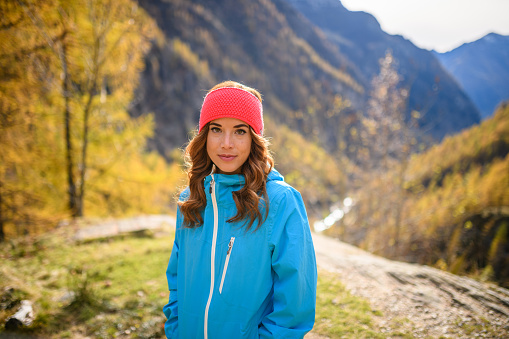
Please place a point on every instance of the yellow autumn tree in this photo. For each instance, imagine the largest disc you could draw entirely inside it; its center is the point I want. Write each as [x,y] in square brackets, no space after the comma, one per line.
[69,72]
[389,136]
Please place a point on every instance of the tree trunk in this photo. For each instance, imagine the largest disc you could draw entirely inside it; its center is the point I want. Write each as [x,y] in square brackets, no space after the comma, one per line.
[73,201]
[2,234]
[399,205]
[84,150]
[86,115]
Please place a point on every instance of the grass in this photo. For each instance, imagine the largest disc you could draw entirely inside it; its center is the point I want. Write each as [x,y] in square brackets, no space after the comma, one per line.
[340,314]
[102,289]
[116,289]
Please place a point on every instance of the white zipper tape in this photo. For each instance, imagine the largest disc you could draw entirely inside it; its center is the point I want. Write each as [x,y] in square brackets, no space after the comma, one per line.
[212,257]
[230,245]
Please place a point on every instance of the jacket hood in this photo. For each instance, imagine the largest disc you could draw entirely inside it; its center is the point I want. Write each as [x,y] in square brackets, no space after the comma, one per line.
[274,175]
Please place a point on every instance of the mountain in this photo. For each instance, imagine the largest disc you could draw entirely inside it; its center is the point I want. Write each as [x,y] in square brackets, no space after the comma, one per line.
[444,106]
[314,74]
[482,69]
[206,42]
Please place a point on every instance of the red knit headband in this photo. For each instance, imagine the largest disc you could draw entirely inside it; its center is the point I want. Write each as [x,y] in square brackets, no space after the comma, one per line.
[232,102]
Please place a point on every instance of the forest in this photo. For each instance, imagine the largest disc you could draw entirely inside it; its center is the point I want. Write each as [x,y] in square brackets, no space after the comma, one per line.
[445,207]
[69,147]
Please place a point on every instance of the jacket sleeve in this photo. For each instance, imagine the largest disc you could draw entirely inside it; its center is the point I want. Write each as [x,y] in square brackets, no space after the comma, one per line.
[171,309]
[294,269]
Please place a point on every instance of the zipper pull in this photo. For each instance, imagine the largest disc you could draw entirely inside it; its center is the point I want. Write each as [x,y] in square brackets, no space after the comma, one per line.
[230,245]
[211,184]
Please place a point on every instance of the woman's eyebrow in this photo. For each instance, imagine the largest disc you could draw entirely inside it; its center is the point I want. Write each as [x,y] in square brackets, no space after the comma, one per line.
[238,126]
[216,124]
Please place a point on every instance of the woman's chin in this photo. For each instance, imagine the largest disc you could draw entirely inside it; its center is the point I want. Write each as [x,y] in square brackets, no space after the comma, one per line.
[228,169]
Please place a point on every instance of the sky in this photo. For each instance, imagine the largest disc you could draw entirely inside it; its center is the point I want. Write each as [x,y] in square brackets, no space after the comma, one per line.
[441,25]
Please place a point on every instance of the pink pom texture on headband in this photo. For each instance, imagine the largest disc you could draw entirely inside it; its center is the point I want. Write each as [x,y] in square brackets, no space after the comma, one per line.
[232,102]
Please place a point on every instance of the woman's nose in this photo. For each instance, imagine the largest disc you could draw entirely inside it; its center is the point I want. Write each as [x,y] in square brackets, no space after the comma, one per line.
[227,141]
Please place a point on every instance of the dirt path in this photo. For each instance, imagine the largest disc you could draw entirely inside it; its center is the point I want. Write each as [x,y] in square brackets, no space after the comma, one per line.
[423,301]
[116,227]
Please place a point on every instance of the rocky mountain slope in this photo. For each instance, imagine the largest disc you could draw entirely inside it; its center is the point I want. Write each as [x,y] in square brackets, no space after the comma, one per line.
[206,42]
[482,69]
[315,77]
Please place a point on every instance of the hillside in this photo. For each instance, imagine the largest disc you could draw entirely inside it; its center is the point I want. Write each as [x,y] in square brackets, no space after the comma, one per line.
[451,210]
[209,41]
[482,69]
[302,69]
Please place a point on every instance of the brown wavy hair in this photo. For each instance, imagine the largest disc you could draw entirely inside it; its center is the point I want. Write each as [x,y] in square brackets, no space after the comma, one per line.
[249,198]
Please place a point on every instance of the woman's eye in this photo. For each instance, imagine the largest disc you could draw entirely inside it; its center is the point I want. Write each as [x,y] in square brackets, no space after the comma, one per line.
[241,132]
[215,129]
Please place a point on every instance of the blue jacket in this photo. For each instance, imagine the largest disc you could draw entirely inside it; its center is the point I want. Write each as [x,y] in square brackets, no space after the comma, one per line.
[225,282]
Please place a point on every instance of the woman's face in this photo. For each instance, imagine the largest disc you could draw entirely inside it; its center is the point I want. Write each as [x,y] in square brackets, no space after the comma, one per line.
[228,144]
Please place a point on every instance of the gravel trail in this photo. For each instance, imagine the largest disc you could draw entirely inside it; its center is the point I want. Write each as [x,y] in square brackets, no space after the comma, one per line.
[427,301]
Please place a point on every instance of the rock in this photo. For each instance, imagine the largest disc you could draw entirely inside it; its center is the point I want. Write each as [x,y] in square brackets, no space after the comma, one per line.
[23,317]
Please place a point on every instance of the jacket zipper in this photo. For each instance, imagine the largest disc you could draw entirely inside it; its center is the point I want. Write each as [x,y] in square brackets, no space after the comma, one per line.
[230,245]
[212,255]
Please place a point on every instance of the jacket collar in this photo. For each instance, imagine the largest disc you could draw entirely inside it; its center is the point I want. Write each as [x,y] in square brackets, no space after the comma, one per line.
[238,179]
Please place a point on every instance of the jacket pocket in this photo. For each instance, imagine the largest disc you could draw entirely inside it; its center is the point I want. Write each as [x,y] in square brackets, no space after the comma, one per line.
[227,260]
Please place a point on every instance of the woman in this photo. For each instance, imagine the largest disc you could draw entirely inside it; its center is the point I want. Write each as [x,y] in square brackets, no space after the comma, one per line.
[243,263]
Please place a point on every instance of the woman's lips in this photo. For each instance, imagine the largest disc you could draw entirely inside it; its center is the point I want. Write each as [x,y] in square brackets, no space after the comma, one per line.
[227,157]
